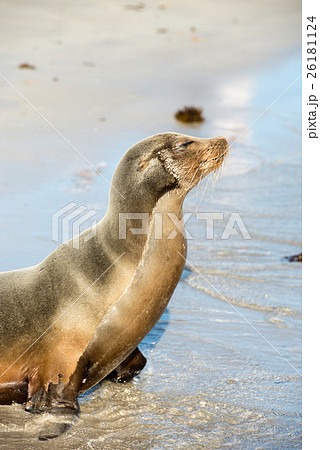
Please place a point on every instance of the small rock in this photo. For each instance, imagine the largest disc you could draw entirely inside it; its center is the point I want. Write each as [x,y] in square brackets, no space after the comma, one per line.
[294,258]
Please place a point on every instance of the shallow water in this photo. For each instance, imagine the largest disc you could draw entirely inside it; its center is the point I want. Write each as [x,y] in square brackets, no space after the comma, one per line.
[224,361]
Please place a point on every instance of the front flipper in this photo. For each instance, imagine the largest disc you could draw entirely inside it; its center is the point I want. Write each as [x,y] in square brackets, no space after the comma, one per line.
[60,401]
[129,368]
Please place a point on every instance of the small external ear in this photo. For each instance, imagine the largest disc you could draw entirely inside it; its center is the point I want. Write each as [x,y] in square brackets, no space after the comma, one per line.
[143,164]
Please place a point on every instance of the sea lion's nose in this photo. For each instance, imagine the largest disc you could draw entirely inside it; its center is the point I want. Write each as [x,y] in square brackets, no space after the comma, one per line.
[221,141]
[220,144]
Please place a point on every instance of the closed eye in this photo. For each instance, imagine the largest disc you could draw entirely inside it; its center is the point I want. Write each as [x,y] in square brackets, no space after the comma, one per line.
[187,143]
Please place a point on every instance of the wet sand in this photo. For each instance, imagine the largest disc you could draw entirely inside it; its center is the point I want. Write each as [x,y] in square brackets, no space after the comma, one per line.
[223,367]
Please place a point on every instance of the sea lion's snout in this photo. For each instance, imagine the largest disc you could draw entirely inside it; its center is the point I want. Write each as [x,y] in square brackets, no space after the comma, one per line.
[192,158]
[215,153]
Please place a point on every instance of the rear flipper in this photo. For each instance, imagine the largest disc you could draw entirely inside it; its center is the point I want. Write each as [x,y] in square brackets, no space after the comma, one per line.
[129,368]
[61,402]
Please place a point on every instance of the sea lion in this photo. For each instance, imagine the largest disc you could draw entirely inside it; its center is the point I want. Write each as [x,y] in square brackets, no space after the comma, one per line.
[78,316]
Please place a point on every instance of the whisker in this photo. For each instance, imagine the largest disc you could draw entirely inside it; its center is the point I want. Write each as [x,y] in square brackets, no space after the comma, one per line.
[213,180]
[205,190]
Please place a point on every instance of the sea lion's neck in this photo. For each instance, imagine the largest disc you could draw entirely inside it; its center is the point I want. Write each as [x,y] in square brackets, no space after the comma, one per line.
[143,299]
[130,230]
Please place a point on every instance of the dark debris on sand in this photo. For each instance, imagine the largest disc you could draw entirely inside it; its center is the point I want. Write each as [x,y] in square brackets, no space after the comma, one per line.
[294,258]
[137,7]
[189,114]
[27,66]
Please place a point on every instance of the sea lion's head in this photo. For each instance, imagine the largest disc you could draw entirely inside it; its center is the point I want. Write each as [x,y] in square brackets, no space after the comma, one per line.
[190,159]
[166,162]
